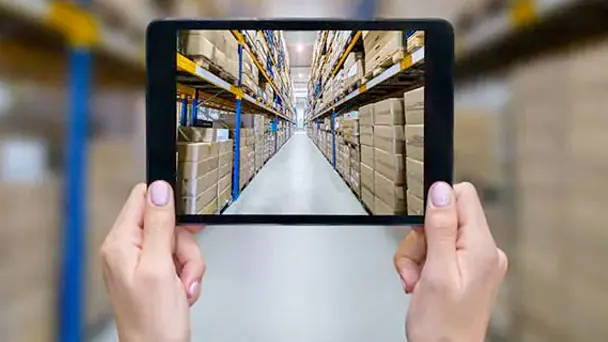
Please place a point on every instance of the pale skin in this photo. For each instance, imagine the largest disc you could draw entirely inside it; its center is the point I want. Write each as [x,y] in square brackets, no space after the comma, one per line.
[452,268]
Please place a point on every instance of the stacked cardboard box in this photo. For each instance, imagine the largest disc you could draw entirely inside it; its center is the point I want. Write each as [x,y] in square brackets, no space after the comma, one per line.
[226,162]
[343,159]
[366,127]
[389,161]
[415,41]
[198,176]
[350,129]
[355,170]
[414,141]
[247,157]
[30,244]
[353,65]
[260,143]
[380,48]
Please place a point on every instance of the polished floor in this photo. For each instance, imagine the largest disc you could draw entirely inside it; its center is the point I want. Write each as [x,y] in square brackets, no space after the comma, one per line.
[298,284]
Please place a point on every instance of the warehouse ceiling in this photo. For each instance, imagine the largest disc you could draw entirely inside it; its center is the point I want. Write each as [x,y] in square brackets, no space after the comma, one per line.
[300,45]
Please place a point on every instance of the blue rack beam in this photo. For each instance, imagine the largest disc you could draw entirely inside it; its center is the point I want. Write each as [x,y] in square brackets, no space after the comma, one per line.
[194,114]
[237,135]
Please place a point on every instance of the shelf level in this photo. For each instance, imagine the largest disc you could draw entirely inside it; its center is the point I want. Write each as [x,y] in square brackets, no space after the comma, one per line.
[412,60]
[184,64]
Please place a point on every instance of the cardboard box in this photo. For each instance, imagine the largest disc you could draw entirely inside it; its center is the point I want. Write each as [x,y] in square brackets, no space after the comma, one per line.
[226,146]
[199,45]
[226,169]
[391,166]
[219,58]
[389,113]
[414,107]
[366,115]
[189,170]
[225,183]
[414,142]
[415,41]
[367,177]
[367,196]
[390,139]
[415,177]
[196,134]
[192,187]
[366,136]
[415,205]
[389,192]
[224,197]
[367,155]
[211,208]
[226,158]
[381,208]
[194,205]
[195,152]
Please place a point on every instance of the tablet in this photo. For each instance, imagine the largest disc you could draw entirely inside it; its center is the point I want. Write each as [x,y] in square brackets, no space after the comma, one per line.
[309,122]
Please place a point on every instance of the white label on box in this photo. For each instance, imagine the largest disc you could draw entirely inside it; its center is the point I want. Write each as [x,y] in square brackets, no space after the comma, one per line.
[23,161]
[352,72]
[223,134]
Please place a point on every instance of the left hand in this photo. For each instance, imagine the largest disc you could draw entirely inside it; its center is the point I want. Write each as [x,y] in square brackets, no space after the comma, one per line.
[153,270]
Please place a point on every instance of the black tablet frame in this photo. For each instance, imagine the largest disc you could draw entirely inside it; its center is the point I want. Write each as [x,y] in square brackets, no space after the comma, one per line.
[160,102]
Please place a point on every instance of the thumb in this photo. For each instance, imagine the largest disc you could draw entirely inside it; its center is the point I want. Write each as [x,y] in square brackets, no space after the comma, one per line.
[441,225]
[159,223]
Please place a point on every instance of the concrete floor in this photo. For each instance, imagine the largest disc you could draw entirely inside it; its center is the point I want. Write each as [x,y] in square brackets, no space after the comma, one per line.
[309,284]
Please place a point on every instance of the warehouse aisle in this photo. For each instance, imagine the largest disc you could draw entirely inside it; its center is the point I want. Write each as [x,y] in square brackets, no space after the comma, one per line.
[297,180]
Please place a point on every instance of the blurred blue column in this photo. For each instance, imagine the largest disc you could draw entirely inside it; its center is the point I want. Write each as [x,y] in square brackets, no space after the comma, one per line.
[184,114]
[194,114]
[73,280]
[366,9]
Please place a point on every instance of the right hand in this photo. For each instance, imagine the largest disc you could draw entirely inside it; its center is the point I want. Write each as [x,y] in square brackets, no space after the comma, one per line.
[452,268]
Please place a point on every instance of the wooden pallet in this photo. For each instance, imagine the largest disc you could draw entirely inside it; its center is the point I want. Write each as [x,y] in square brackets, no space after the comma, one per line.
[215,69]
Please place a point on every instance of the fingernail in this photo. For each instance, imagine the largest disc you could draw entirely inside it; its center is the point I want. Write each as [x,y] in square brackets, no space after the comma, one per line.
[159,193]
[193,290]
[441,194]
[404,285]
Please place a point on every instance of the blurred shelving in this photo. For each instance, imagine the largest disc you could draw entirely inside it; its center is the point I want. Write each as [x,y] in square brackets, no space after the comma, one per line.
[500,33]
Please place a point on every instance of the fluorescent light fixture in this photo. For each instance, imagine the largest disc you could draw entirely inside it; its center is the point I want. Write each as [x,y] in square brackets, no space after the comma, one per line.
[300,48]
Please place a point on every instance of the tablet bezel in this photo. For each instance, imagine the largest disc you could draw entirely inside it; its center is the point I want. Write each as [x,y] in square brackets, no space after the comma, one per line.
[160,102]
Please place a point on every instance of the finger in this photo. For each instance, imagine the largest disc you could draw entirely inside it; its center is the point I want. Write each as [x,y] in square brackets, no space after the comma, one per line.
[409,258]
[191,265]
[441,225]
[194,229]
[475,232]
[159,223]
[503,263]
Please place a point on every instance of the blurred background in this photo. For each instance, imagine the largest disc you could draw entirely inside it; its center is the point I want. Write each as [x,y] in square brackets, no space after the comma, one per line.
[531,102]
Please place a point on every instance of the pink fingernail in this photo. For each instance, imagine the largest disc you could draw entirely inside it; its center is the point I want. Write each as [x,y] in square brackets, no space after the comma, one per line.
[441,194]
[193,289]
[159,193]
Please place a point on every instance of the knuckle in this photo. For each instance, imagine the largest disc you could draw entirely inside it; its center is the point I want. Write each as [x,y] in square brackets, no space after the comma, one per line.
[151,275]
[442,220]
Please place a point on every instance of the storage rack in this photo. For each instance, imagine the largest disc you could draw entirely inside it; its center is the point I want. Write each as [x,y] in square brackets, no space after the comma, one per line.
[197,84]
[405,75]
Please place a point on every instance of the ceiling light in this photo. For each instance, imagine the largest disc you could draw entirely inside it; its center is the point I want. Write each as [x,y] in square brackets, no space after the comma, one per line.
[300,48]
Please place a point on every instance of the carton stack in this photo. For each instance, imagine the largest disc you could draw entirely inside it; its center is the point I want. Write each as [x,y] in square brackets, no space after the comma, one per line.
[30,262]
[350,129]
[414,150]
[259,141]
[355,170]
[226,163]
[329,146]
[415,41]
[197,177]
[354,70]
[389,161]
[366,127]
[247,164]
[380,48]
[343,158]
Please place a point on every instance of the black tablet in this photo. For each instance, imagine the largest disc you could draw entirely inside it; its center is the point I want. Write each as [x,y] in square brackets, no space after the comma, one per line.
[331,122]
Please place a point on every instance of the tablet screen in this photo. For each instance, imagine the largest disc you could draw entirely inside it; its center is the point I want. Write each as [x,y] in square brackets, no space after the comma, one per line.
[274,122]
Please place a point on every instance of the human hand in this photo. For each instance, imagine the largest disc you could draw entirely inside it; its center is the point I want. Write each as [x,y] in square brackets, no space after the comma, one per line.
[152,270]
[452,268]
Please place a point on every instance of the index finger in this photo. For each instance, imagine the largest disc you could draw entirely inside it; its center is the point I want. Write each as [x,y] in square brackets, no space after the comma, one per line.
[131,216]
[474,228]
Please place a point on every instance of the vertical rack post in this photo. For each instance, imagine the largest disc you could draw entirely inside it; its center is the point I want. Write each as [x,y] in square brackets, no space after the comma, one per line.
[276,135]
[184,116]
[193,114]
[333,134]
[72,285]
[237,134]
